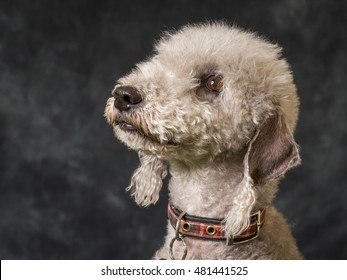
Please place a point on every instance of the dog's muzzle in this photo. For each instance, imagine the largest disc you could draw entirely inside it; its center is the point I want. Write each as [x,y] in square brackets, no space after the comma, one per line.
[125,98]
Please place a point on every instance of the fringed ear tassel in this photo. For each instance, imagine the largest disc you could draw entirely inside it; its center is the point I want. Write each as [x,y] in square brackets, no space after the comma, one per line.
[147,179]
[237,219]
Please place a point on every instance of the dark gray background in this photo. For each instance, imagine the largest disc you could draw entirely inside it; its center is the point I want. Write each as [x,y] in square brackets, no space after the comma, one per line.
[62,174]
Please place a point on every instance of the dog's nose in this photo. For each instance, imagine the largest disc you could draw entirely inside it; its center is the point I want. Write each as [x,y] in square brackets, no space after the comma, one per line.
[125,97]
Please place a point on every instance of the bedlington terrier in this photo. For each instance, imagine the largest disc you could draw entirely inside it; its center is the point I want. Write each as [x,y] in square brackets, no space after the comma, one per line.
[216,107]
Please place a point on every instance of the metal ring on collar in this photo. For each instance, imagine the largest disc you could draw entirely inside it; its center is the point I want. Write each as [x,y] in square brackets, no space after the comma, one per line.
[171,254]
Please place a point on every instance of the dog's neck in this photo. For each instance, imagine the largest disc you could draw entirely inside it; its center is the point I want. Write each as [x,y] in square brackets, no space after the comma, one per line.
[209,190]
[206,189]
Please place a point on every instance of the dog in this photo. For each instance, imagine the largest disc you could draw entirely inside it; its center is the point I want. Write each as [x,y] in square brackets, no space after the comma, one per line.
[216,106]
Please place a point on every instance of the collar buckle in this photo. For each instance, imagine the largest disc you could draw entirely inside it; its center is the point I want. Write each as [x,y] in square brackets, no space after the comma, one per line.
[231,240]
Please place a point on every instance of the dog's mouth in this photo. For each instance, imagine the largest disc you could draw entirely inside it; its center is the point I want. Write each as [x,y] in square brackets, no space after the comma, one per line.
[127,127]
[132,128]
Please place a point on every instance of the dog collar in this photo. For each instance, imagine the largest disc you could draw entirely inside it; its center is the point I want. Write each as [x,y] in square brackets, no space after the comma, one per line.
[212,229]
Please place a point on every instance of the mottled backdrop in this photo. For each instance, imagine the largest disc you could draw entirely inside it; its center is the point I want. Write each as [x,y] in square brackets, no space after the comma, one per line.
[62,174]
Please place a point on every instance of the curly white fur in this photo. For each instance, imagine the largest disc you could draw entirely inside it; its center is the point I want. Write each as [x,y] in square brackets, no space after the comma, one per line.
[225,151]
[235,224]
[147,180]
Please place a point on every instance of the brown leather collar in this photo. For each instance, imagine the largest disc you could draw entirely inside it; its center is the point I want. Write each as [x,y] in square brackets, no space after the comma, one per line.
[212,229]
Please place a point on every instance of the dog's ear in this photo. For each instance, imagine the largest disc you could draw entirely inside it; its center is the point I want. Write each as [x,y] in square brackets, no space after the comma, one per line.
[272,151]
[147,179]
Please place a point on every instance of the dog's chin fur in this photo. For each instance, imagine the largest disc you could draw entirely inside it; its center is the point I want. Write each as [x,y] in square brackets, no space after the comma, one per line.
[135,138]
[139,142]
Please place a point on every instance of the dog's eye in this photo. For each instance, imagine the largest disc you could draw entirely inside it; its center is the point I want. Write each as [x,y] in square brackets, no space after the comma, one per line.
[214,83]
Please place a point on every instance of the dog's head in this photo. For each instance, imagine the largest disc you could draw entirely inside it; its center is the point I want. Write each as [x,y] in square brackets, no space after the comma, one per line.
[208,90]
